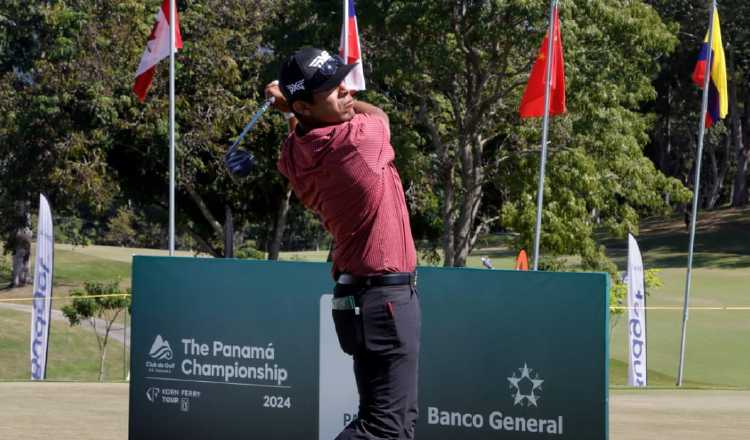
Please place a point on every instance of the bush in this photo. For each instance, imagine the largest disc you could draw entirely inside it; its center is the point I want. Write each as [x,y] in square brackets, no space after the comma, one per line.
[5,267]
[247,252]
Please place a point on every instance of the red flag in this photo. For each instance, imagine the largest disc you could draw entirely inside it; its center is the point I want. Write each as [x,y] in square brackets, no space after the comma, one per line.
[157,49]
[522,262]
[349,49]
[532,103]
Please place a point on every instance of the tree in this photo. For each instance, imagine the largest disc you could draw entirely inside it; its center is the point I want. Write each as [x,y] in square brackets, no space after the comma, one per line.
[51,119]
[121,228]
[100,304]
[219,82]
[674,140]
[467,64]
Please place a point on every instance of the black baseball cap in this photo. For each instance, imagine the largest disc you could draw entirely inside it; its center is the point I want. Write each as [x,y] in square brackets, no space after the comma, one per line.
[311,70]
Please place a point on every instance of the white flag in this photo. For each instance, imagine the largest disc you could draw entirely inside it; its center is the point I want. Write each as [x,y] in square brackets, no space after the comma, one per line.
[157,48]
[41,310]
[637,374]
[349,48]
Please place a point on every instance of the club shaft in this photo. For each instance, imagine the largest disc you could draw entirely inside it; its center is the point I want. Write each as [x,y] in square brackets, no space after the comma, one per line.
[263,108]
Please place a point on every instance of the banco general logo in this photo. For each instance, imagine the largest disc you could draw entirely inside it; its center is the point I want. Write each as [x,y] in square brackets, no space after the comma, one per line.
[526,386]
[152,394]
[161,350]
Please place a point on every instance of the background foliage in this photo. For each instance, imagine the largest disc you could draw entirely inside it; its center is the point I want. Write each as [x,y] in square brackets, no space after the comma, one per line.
[450,74]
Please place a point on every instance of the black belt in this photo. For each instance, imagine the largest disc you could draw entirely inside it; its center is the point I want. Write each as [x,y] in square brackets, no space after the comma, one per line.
[388,279]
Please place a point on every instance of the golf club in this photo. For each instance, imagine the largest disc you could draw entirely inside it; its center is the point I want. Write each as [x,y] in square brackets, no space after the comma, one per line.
[240,162]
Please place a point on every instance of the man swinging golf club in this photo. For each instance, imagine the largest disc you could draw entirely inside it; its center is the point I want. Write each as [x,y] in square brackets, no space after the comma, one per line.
[339,160]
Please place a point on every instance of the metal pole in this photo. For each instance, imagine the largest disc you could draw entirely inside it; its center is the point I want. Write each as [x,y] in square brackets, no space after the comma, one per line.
[172,38]
[545,132]
[125,344]
[696,192]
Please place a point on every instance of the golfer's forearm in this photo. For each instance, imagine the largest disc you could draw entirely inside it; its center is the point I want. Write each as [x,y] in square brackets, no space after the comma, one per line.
[369,109]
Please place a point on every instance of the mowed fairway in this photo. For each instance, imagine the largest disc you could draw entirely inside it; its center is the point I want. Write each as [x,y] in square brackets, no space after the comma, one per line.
[73,351]
[77,411]
[718,341]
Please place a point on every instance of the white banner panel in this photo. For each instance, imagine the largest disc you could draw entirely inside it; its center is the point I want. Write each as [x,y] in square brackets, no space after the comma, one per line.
[339,399]
[40,316]
[637,375]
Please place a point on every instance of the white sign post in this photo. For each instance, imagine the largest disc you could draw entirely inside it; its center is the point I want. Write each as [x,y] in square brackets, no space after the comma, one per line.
[42,308]
[637,374]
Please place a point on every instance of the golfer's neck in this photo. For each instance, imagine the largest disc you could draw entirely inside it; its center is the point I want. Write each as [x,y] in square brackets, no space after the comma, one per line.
[306,125]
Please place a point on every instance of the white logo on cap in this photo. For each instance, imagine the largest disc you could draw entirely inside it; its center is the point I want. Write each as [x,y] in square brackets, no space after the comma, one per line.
[295,87]
[319,60]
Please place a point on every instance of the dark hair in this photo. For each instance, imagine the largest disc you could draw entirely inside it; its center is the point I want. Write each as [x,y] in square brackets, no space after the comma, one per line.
[307,97]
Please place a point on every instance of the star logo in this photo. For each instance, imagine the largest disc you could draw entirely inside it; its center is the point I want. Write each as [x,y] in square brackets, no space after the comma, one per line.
[526,381]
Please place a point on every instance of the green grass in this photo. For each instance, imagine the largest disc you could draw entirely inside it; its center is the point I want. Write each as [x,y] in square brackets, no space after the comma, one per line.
[73,267]
[717,340]
[73,351]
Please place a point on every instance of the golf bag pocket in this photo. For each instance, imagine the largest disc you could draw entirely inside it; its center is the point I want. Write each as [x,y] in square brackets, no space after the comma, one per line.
[348,329]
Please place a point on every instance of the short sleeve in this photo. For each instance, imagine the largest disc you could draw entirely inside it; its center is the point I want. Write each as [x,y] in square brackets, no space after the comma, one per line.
[371,137]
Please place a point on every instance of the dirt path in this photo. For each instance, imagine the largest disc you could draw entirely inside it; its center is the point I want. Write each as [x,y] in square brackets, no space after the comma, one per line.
[84,411]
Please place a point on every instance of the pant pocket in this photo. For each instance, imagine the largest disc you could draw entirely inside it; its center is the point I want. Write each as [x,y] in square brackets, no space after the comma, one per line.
[379,322]
[348,329]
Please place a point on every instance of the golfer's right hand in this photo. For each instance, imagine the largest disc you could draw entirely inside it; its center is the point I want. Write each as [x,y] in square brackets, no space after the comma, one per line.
[272,89]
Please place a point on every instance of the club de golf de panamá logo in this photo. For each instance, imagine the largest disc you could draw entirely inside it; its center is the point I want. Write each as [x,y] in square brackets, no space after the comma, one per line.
[159,357]
[161,350]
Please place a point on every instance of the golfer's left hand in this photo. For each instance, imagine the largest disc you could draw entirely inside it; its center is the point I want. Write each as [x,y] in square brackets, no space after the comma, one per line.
[272,89]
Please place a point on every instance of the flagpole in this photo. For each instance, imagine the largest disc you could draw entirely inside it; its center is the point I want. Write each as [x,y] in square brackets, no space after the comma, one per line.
[696,190]
[172,38]
[545,132]
[345,33]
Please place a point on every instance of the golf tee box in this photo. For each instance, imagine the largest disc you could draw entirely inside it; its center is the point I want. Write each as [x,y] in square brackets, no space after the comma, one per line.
[230,349]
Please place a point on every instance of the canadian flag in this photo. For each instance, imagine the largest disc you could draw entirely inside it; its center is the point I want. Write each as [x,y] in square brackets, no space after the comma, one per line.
[157,49]
[349,48]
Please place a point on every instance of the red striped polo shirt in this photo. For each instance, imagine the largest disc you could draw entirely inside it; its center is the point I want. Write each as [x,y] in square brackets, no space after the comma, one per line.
[345,173]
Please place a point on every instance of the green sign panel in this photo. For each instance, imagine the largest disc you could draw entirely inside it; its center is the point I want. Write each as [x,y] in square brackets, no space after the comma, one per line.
[246,349]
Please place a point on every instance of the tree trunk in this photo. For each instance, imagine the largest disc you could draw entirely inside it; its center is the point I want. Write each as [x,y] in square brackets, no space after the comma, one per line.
[719,169]
[228,232]
[278,230]
[473,176]
[741,129]
[21,244]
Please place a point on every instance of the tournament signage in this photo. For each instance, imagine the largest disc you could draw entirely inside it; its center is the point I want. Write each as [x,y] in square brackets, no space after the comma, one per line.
[41,307]
[246,349]
[637,367]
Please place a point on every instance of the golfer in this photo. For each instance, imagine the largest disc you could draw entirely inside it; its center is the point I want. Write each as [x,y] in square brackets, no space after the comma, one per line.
[339,160]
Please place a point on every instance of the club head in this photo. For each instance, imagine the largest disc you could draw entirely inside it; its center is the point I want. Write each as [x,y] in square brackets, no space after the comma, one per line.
[239,162]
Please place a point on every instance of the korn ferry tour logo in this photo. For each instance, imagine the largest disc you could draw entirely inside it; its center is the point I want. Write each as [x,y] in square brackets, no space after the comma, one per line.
[519,414]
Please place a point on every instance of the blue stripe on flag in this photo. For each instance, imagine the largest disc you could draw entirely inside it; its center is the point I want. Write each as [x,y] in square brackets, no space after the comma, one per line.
[714,104]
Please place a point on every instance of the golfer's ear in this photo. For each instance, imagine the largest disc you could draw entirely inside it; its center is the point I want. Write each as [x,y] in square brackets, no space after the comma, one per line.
[301,107]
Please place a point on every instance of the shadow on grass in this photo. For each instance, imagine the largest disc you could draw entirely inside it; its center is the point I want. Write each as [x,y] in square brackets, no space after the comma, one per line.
[722,241]
[618,376]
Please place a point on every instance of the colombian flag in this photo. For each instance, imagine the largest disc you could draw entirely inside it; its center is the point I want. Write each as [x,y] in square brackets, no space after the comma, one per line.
[718,101]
